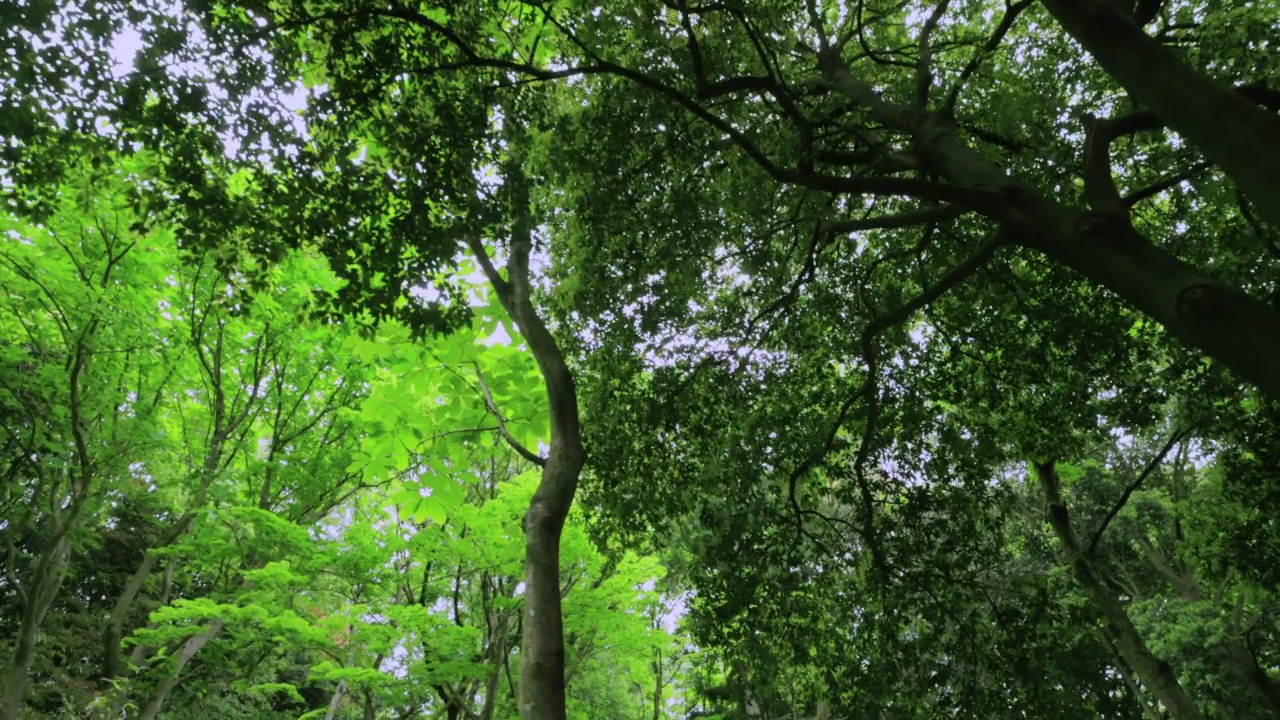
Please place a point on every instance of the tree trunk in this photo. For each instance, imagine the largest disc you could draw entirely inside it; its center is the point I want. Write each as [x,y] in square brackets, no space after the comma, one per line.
[1234,134]
[1155,674]
[189,649]
[1122,669]
[658,684]
[497,645]
[1230,326]
[114,631]
[543,657]
[1262,691]
[335,700]
[47,580]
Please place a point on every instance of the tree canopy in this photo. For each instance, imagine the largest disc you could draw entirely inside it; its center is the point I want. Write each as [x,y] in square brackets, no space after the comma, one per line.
[676,359]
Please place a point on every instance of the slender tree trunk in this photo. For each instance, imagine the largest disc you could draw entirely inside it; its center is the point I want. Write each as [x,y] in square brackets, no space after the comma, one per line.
[1154,673]
[658,684]
[112,663]
[1122,669]
[189,649]
[1230,326]
[542,668]
[334,701]
[491,690]
[51,568]
[47,580]
[498,631]
[1236,135]
[1239,662]
[114,631]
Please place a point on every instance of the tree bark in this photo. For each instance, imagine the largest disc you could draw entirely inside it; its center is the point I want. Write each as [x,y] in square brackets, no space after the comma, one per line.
[189,649]
[1239,661]
[658,684]
[47,577]
[114,631]
[1240,331]
[542,669]
[1236,135]
[335,700]
[1155,674]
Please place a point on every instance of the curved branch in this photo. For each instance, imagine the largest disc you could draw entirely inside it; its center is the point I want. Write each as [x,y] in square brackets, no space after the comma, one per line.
[868,391]
[799,176]
[492,406]
[1099,186]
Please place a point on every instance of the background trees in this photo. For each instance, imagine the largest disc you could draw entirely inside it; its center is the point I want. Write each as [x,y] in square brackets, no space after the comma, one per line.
[935,358]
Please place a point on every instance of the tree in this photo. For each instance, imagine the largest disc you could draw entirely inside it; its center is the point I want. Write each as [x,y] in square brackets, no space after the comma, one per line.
[812,133]
[826,275]
[81,394]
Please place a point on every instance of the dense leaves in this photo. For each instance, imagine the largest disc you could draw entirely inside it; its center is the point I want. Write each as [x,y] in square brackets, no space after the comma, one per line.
[925,355]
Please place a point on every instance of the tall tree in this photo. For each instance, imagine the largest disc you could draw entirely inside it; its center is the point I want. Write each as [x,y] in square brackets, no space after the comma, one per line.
[825,270]
[80,389]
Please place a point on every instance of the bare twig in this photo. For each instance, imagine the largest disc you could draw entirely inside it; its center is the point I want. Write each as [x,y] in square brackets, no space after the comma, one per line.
[1011,14]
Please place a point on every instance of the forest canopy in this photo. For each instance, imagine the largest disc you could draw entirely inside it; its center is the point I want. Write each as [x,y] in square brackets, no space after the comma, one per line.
[666,359]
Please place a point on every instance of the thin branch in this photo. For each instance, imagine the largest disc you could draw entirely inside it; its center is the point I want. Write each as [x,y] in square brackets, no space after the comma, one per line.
[882,160]
[926,216]
[1156,188]
[1011,14]
[492,406]
[924,64]
[500,285]
[1133,486]
[1259,230]
[923,189]
[993,138]
[868,391]
[816,24]
[818,242]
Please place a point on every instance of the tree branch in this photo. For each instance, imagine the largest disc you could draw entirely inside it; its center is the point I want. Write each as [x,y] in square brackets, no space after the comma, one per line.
[596,65]
[1156,188]
[1132,487]
[1099,186]
[924,69]
[1011,14]
[868,392]
[941,213]
[492,406]
[1145,120]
